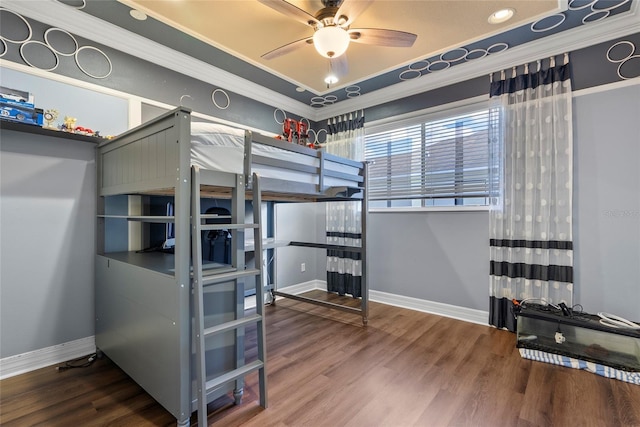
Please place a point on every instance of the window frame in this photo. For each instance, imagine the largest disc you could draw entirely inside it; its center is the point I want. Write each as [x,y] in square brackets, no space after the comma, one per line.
[432,114]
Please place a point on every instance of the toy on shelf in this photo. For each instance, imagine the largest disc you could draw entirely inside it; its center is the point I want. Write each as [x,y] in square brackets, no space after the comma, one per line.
[296,132]
[50,116]
[84,131]
[69,124]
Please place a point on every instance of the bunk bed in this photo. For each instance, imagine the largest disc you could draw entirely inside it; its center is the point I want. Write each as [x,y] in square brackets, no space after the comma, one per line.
[144,304]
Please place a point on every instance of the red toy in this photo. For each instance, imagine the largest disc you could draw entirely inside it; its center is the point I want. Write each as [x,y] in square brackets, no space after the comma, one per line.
[295,131]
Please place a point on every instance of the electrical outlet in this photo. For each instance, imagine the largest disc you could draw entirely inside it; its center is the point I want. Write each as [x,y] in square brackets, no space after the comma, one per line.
[303,267]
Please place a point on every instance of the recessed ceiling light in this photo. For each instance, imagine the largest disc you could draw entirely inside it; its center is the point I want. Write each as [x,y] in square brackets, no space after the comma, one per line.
[300,89]
[136,14]
[502,15]
[331,79]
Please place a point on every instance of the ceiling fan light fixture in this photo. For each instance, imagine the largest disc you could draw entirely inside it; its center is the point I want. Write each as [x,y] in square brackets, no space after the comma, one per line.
[502,15]
[331,79]
[331,41]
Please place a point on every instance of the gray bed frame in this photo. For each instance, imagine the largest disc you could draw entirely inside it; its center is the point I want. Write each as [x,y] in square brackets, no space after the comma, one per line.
[143,300]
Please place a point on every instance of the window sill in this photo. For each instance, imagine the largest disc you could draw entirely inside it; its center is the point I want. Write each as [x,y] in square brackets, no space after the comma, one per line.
[432,209]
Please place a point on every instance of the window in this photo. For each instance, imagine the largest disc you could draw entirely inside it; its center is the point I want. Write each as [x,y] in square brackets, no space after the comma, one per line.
[439,162]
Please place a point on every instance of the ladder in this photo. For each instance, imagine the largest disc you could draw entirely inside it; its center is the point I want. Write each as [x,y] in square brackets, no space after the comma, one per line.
[234,274]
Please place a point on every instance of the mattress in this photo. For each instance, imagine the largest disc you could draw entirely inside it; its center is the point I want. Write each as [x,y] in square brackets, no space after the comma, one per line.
[219,147]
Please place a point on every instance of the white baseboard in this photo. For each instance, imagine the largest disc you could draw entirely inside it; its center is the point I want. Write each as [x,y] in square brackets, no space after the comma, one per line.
[455,312]
[441,309]
[305,287]
[32,360]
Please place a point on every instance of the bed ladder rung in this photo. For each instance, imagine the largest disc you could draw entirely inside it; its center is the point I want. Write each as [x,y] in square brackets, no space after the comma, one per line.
[207,227]
[226,277]
[234,324]
[235,374]
[235,275]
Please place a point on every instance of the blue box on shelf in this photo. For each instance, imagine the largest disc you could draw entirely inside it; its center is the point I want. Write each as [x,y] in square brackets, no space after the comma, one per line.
[23,112]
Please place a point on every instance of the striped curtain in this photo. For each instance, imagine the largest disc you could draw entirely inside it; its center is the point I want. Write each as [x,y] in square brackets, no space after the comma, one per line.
[531,140]
[345,138]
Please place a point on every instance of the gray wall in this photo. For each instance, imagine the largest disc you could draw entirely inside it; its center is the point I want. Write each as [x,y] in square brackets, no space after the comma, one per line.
[443,256]
[303,222]
[139,77]
[434,256]
[47,219]
[104,113]
[607,201]
[47,224]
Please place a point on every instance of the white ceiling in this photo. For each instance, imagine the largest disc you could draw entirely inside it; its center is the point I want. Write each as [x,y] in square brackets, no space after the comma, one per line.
[248,29]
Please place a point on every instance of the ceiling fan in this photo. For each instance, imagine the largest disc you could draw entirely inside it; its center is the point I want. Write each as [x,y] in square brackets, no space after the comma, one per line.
[332,32]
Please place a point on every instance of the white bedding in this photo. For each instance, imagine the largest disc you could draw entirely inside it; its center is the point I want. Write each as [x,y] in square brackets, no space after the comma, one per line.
[220,147]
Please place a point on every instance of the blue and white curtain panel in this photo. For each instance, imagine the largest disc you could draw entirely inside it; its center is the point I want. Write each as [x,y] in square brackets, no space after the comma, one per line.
[531,143]
[345,138]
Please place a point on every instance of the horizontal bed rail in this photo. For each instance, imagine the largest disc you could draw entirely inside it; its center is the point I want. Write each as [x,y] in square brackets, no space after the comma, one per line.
[273,142]
[320,190]
[150,158]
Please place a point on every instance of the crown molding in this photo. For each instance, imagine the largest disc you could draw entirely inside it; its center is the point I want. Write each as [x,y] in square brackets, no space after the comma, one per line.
[84,25]
[59,15]
[566,41]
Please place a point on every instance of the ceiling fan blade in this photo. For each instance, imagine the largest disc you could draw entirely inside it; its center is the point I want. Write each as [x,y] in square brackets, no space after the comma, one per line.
[351,9]
[382,37]
[288,48]
[291,11]
[339,65]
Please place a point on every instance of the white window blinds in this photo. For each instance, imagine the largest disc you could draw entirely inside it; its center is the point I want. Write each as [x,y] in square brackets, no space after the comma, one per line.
[443,160]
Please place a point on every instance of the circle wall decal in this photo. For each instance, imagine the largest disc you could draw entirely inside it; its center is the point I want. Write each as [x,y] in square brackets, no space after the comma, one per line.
[497,48]
[39,55]
[221,95]
[61,41]
[78,4]
[620,47]
[186,101]
[595,7]
[438,66]
[548,23]
[454,55]
[352,91]
[93,62]
[275,116]
[14,24]
[420,65]
[476,54]
[317,101]
[595,16]
[581,4]
[320,132]
[409,74]
[629,68]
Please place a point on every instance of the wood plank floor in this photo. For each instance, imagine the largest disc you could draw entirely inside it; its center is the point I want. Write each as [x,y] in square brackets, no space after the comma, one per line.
[325,369]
